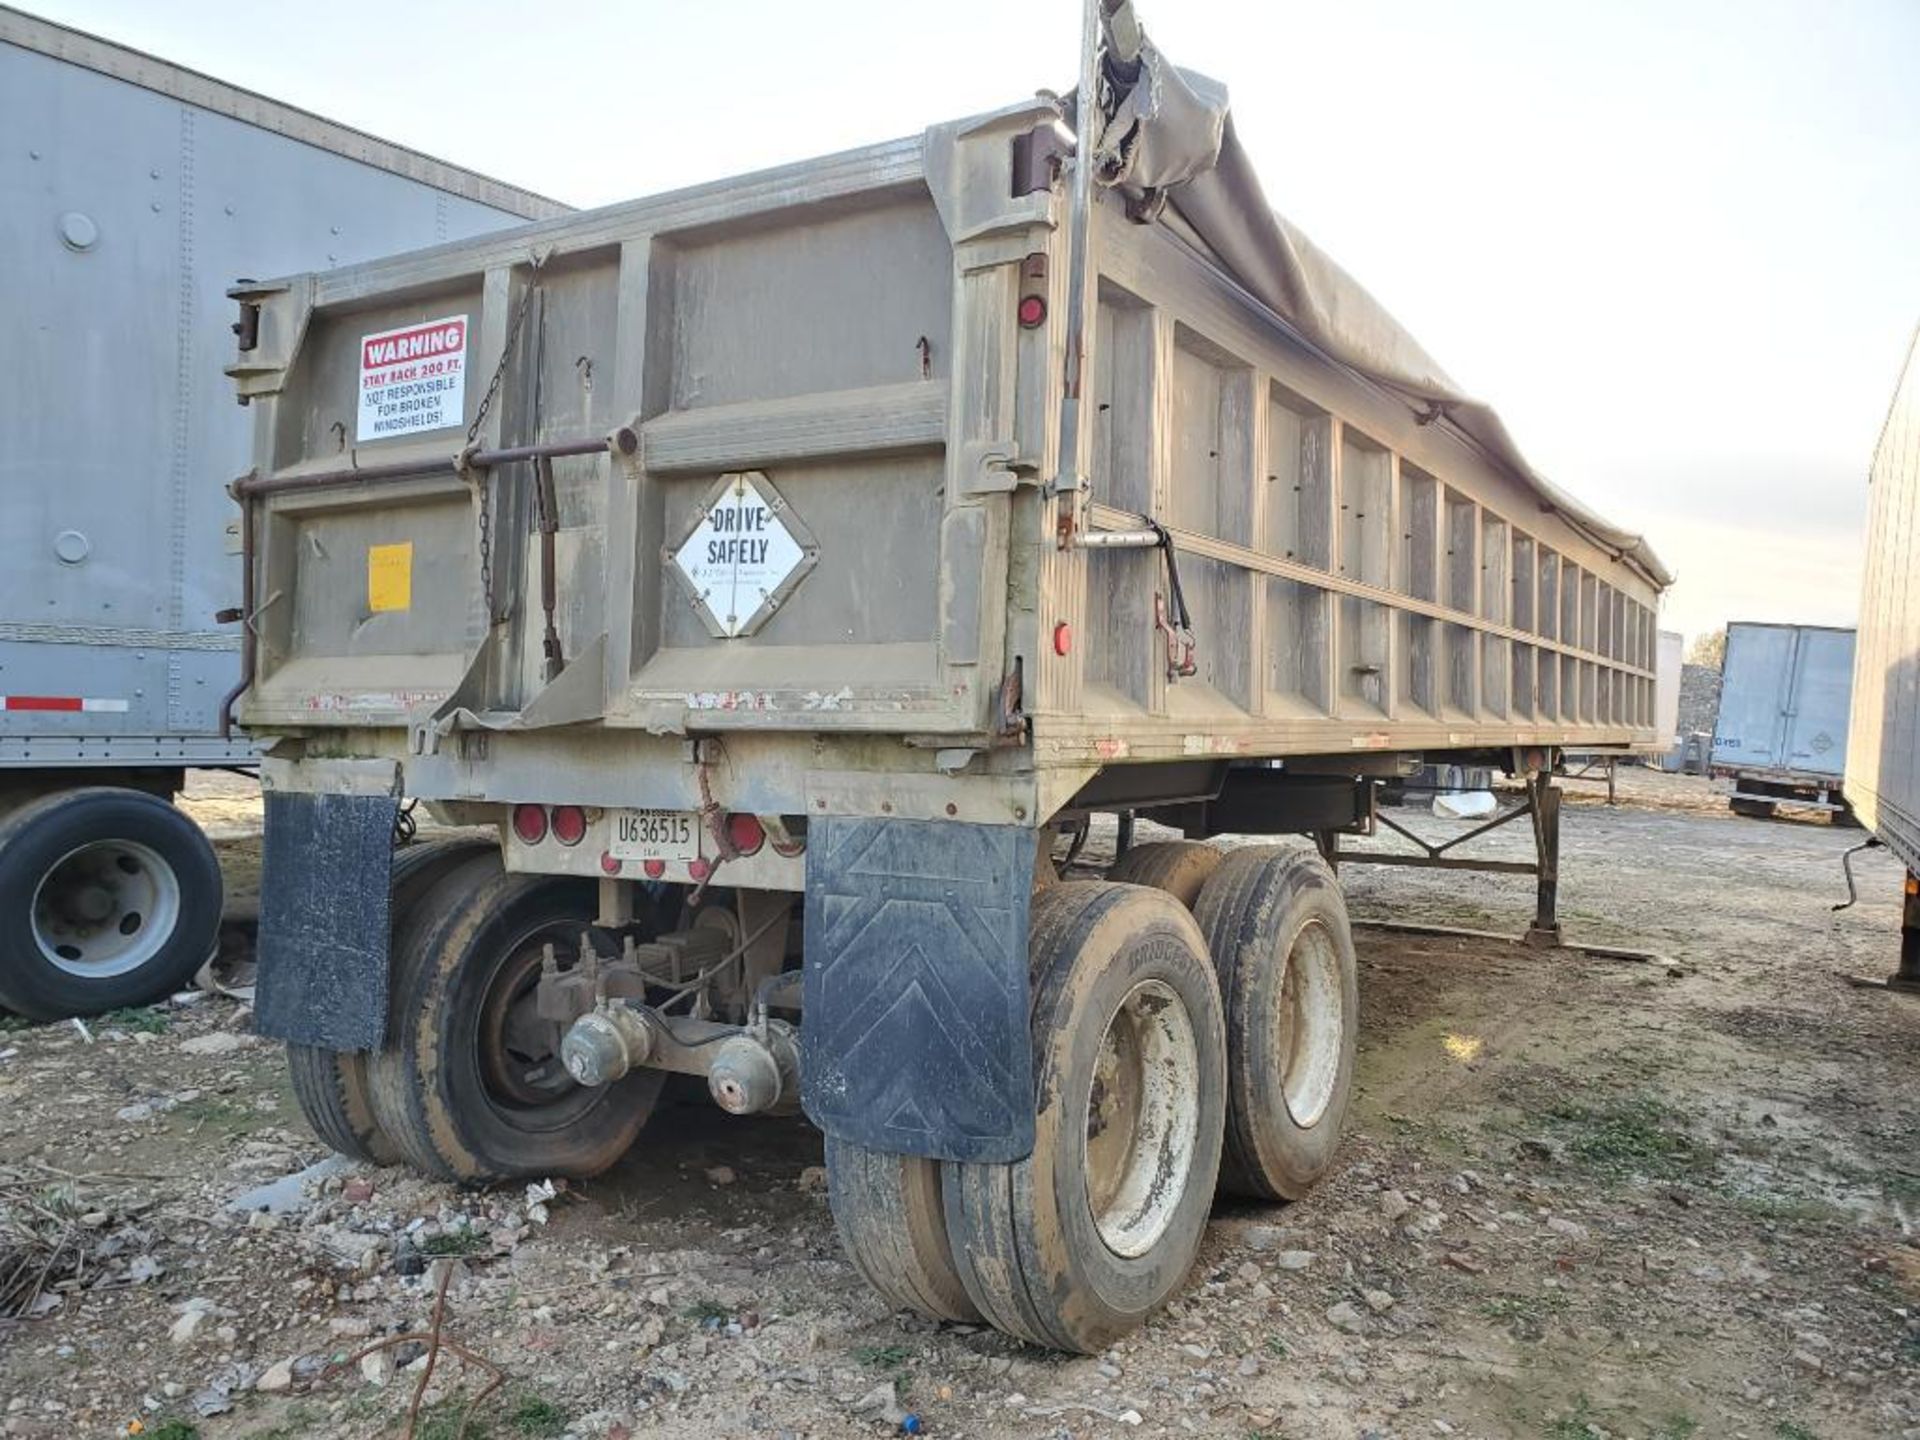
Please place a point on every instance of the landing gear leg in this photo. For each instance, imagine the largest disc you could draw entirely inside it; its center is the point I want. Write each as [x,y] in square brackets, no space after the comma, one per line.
[1907,977]
[1545,803]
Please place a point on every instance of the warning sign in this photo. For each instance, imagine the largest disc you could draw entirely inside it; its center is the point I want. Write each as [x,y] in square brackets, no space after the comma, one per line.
[413,378]
[742,555]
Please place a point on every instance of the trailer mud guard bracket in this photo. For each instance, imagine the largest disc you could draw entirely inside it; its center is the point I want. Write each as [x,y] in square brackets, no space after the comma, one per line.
[915,987]
[324,919]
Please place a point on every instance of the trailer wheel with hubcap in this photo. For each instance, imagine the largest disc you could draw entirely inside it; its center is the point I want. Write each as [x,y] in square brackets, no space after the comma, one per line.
[1082,1240]
[108,898]
[469,1085]
[892,1223]
[331,1086]
[1179,867]
[1277,926]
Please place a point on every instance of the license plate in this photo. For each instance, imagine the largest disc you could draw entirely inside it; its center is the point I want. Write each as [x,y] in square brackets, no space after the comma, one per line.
[655,835]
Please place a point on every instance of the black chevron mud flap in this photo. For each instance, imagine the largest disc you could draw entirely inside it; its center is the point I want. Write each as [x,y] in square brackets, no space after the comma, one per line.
[324,919]
[915,1033]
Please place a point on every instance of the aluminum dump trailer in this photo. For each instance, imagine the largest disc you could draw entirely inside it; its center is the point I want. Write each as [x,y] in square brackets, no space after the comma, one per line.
[132,194]
[790,571]
[1883,748]
[1781,735]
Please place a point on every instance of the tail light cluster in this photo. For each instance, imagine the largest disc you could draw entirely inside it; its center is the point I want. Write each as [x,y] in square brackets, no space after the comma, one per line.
[567,824]
[534,823]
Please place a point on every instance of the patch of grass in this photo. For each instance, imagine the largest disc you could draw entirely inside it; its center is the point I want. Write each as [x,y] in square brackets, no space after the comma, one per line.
[709,1309]
[883,1357]
[1579,1423]
[10,1023]
[1793,1430]
[1624,1138]
[1276,1347]
[301,1420]
[1675,1427]
[1525,1316]
[536,1417]
[459,1241]
[174,1430]
[216,1111]
[140,1020]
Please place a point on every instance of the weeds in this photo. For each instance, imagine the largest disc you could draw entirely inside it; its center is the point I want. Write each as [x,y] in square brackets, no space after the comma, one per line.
[1793,1430]
[459,1241]
[1626,1138]
[141,1020]
[536,1417]
[707,1312]
[882,1357]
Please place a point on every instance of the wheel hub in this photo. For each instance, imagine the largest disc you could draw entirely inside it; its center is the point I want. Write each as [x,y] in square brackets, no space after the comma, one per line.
[106,908]
[1142,1118]
[1308,1023]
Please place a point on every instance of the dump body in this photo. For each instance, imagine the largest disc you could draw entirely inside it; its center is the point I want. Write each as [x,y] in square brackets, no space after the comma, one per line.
[134,193]
[1883,752]
[869,347]
[725,533]
[1784,697]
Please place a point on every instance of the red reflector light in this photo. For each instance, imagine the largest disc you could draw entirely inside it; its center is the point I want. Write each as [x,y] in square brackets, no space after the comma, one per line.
[654,868]
[569,824]
[608,863]
[530,823]
[699,869]
[1033,311]
[746,833]
[1062,643]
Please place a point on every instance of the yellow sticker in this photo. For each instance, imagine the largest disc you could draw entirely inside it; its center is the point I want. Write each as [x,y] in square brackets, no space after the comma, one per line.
[390,576]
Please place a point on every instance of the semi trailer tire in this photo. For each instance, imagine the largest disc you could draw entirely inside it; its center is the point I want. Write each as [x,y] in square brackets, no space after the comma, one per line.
[469,1085]
[1179,867]
[1090,1234]
[892,1223]
[331,1086]
[108,898]
[1277,926]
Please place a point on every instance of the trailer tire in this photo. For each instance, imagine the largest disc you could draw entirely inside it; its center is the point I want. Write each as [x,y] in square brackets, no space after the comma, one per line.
[469,1085]
[331,1086]
[892,1223]
[1283,949]
[1080,1242]
[1179,867]
[108,898]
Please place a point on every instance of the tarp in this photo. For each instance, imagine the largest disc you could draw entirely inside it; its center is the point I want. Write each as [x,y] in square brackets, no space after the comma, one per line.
[1166,141]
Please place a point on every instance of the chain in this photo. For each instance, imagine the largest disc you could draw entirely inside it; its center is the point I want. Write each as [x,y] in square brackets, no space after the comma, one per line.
[484,484]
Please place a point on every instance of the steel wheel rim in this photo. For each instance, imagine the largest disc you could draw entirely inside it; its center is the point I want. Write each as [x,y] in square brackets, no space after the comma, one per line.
[1309,1024]
[105,909]
[1143,1118]
[518,1054]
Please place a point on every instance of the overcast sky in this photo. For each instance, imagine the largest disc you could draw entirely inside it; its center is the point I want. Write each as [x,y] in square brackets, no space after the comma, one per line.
[1676,243]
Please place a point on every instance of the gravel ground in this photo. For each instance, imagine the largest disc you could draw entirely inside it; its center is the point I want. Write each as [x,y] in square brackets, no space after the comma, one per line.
[1581,1198]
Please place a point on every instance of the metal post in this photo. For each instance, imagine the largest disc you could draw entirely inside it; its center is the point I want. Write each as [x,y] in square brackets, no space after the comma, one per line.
[1907,977]
[1069,481]
[1544,801]
[1613,772]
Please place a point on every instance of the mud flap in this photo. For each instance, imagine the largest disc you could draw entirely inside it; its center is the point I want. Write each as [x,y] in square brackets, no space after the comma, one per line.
[324,919]
[915,1038]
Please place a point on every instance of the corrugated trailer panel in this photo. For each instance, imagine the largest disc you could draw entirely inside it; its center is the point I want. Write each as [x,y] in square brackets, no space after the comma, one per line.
[134,193]
[1883,751]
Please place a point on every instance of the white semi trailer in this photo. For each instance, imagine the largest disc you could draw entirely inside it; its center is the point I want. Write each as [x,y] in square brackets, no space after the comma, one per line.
[1883,750]
[132,194]
[789,569]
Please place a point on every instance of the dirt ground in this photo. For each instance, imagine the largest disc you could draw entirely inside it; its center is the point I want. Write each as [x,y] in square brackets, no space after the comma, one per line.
[1581,1198]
